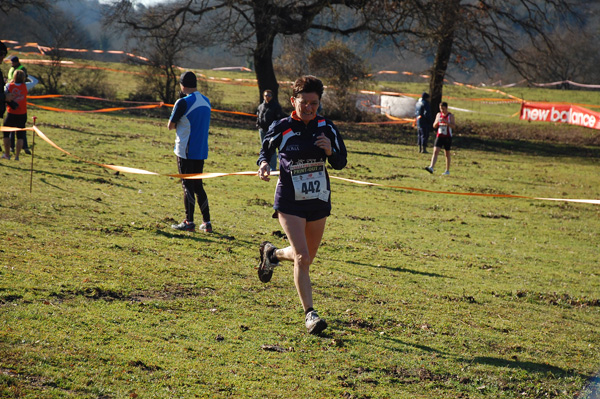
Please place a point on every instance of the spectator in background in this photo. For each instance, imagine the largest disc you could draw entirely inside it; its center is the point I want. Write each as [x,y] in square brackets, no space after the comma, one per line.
[17,66]
[423,118]
[191,119]
[444,123]
[4,98]
[268,112]
[17,113]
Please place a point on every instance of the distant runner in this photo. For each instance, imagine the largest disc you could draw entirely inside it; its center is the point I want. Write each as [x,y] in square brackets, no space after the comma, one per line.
[444,123]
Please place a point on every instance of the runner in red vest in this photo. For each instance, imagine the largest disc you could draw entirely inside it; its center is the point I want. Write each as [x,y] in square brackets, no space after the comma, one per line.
[444,123]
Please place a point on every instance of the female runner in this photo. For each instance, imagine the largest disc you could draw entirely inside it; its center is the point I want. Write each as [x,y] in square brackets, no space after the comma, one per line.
[305,142]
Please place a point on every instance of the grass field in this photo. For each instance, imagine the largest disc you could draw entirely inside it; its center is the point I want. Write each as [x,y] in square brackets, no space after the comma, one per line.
[427,295]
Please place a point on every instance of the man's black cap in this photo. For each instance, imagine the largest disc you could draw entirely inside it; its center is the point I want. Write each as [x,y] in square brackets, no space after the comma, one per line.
[14,58]
[425,95]
[188,79]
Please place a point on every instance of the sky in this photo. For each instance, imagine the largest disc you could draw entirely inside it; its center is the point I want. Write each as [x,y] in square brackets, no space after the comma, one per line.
[146,2]
[152,2]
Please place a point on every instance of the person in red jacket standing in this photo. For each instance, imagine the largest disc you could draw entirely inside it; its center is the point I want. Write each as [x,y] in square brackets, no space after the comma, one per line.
[16,113]
[4,98]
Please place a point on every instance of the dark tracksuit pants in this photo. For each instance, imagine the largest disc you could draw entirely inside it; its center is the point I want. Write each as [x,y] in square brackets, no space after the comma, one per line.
[193,189]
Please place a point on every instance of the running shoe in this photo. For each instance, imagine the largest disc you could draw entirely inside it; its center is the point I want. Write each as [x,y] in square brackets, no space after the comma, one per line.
[314,324]
[446,173]
[184,226]
[429,169]
[265,267]
[27,151]
[5,157]
[206,227]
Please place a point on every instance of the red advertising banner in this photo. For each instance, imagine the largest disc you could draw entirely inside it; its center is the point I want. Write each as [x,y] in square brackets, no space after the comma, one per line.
[560,113]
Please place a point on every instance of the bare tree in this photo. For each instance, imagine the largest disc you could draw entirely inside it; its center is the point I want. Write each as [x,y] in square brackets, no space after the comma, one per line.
[575,58]
[7,6]
[165,44]
[56,30]
[464,32]
[16,17]
[467,32]
[254,24]
[165,41]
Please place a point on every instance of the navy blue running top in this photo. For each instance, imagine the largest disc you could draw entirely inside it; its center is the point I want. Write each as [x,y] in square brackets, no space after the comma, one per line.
[303,183]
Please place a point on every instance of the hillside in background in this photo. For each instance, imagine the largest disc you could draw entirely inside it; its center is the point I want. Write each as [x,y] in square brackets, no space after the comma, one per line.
[84,18]
[428,295]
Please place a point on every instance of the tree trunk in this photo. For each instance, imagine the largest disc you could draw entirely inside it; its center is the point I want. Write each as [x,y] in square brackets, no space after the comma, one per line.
[442,56]
[263,53]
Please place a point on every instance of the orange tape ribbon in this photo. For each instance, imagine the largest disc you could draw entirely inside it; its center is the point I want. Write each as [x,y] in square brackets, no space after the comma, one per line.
[586,201]
[126,169]
[115,109]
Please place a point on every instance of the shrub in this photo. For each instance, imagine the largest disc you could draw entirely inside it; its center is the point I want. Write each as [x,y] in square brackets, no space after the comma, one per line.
[343,72]
[93,83]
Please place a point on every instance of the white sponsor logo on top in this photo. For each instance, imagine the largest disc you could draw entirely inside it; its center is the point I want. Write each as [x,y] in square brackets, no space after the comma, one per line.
[557,115]
[583,119]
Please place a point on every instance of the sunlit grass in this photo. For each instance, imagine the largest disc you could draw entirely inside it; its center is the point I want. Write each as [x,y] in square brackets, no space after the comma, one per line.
[427,295]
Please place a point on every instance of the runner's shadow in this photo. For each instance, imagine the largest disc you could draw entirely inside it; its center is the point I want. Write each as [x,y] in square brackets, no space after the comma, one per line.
[399,269]
[96,178]
[530,367]
[185,236]
[374,154]
[98,200]
[545,149]
[203,237]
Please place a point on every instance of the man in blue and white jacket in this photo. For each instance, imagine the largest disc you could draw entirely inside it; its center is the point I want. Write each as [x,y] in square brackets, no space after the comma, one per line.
[191,119]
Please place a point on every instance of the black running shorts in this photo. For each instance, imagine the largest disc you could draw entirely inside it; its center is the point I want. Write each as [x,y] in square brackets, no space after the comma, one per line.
[444,142]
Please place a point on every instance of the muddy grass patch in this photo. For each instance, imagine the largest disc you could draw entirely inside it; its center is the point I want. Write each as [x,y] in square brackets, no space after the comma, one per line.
[551,298]
[168,293]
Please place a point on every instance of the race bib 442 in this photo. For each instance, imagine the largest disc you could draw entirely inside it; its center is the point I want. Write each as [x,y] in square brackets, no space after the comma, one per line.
[310,181]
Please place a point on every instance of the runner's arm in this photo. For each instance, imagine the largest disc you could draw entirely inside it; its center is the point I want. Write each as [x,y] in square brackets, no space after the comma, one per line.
[178,111]
[339,156]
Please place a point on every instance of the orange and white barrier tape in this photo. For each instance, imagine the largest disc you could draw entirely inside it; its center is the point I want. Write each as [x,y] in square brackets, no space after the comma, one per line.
[114,109]
[586,201]
[149,106]
[126,169]
[253,82]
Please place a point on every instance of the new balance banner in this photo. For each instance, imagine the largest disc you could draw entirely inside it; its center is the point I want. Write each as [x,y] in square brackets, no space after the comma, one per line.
[560,113]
